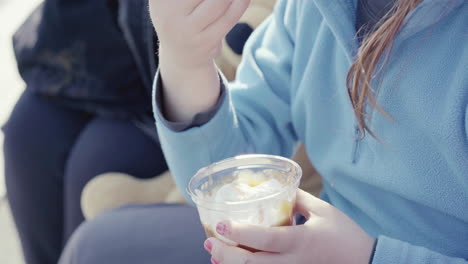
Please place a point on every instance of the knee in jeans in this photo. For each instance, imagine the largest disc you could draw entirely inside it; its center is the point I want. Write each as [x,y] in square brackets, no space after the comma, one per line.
[19,144]
[27,151]
[90,244]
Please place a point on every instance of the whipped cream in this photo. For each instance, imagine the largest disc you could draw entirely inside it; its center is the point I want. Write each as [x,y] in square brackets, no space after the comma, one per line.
[247,189]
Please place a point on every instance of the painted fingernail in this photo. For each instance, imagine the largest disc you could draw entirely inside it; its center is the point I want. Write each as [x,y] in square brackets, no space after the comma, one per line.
[214,261]
[208,245]
[222,229]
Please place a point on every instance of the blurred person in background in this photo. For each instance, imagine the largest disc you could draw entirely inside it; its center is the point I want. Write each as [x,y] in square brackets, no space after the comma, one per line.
[330,74]
[86,110]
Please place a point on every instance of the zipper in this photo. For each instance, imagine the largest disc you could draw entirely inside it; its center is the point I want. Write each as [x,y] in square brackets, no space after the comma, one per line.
[357,141]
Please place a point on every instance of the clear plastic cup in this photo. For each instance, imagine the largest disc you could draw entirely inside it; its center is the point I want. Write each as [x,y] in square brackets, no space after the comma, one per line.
[275,209]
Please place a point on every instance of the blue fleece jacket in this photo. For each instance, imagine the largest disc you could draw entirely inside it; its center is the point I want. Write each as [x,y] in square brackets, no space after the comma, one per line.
[411,191]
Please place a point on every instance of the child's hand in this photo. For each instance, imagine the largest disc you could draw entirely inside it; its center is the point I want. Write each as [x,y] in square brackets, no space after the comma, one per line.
[328,236]
[191,31]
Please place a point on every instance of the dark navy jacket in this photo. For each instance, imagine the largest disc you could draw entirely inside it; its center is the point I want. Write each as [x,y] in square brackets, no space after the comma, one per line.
[97,55]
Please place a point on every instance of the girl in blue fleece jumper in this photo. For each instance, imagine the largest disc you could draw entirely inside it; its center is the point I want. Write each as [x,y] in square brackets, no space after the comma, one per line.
[383,116]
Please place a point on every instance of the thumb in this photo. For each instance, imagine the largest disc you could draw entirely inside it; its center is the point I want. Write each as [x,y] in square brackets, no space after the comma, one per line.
[309,205]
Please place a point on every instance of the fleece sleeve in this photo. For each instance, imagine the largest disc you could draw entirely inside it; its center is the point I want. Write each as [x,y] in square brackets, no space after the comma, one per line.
[395,251]
[253,117]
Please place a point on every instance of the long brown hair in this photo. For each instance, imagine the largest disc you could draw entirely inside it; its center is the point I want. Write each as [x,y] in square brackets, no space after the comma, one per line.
[377,44]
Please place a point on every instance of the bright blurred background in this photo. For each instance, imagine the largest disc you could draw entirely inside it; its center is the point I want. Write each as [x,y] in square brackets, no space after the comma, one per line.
[12,14]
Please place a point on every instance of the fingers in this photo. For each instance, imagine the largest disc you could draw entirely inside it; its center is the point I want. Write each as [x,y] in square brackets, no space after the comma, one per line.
[309,205]
[225,254]
[209,11]
[227,21]
[271,239]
